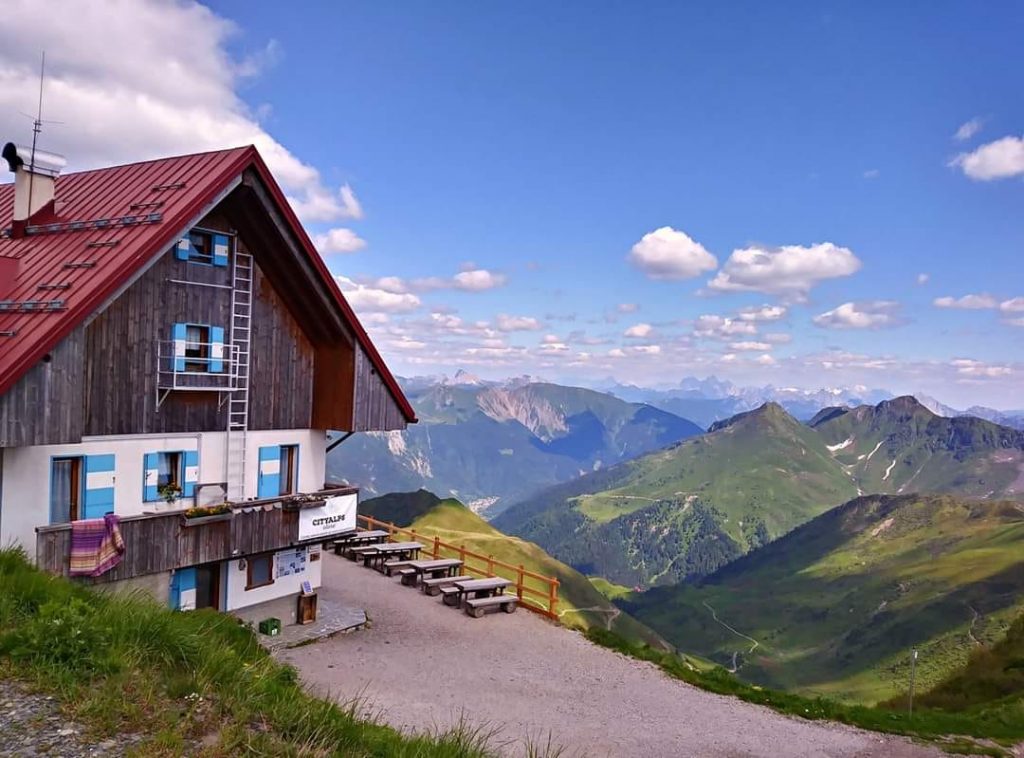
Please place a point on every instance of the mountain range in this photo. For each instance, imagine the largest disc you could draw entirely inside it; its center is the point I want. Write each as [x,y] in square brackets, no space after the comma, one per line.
[834,607]
[686,511]
[489,444]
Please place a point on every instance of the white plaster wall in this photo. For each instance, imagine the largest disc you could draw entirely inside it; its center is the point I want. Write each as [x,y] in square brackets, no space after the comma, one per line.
[25,498]
[239,597]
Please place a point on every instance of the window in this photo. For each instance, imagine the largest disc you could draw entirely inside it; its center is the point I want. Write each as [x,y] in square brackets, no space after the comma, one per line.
[168,469]
[201,246]
[66,485]
[260,571]
[289,469]
[197,348]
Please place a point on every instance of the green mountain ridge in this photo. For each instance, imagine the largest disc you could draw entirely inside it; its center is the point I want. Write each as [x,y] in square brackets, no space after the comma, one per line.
[683,512]
[834,607]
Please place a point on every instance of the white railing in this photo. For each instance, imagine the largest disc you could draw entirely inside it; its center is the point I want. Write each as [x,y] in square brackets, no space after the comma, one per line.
[210,372]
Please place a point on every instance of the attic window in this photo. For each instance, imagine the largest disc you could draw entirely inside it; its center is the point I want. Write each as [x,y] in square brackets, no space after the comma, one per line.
[201,246]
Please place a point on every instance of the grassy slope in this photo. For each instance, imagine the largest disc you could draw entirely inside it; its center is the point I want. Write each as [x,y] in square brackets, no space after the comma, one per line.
[123,664]
[691,508]
[580,604]
[836,604]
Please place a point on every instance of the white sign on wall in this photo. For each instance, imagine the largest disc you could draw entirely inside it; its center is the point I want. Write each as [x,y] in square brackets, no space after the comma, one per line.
[337,514]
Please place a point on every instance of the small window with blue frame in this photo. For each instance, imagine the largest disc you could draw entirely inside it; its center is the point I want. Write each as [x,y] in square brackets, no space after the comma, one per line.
[200,246]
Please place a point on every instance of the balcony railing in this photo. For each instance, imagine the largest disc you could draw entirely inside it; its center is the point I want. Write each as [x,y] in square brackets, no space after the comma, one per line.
[209,367]
[165,541]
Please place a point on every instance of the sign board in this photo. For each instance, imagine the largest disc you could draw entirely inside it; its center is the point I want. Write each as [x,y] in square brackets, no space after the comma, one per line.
[336,515]
[291,562]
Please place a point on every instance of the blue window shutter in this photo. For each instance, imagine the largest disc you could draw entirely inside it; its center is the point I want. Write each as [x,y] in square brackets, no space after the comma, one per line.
[216,349]
[99,486]
[268,484]
[191,477]
[220,249]
[150,472]
[183,249]
[183,589]
[179,334]
[175,598]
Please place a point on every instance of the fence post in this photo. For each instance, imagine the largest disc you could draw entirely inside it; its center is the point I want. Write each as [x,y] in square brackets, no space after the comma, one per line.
[519,584]
[553,598]
[391,531]
[490,565]
[437,546]
[462,556]
[412,538]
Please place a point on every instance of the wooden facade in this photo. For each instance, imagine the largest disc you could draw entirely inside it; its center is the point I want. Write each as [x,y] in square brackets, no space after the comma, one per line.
[306,368]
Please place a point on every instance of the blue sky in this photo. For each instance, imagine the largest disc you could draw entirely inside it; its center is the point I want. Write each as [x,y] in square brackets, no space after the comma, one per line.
[501,162]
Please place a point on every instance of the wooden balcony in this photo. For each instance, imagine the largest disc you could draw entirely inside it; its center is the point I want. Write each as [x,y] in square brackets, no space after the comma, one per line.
[166,541]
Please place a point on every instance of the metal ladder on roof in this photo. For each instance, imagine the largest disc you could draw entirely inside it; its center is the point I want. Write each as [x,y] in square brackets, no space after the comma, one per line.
[238,404]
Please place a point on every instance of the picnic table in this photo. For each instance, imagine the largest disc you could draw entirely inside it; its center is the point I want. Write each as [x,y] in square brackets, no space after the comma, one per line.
[434,569]
[376,554]
[478,588]
[346,542]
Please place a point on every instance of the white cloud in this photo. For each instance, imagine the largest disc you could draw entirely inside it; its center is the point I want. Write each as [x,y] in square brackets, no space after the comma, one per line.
[407,343]
[338,241]
[979,369]
[646,349]
[759,347]
[766,360]
[639,331]
[1013,305]
[968,129]
[872,314]
[1014,321]
[764,313]
[667,253]
[789,271]
[922,279]
[722,327]
[551,339]
[996,160]
[506,323]
[778,338]
[967,302]
[627,307]
[374,300]
[872,173]
[616,352]
[137,80]
[477,280]
[471,280]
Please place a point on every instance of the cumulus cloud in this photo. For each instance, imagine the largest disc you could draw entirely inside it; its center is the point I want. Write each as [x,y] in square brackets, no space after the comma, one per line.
[764,313]
[639,331]
[667,253]
[1001,159]
[871,314]
[790,271]
[979,369]
[722,327]
[506,323]
[467,280]
[338,240]
[114,110]
[778,338]
[374,300]
[759,347]
[1013,305]
[922,279]
[967,302]
[968,129]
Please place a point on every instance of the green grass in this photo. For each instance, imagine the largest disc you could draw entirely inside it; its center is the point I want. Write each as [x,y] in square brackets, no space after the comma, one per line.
[608,589]
[123,664]
[837,605]
[999,718]
[580,604]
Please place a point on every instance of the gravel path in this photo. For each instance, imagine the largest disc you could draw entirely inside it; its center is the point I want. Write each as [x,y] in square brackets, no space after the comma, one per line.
[422,665]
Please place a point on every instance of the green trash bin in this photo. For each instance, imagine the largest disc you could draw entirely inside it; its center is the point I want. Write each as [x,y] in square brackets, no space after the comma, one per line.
[270,627]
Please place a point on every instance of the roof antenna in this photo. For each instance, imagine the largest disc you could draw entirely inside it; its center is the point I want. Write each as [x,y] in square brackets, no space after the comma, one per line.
[37,126]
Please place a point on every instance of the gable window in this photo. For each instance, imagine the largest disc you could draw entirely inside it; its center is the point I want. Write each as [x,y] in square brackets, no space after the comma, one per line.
[197,347]
[201,246]
[289,469]
[260,571]
[66,490]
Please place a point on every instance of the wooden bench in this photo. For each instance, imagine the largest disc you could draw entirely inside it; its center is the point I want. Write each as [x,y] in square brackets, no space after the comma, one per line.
[451,595]
[475,606]
[408,576]
[390,566]
[433,586]
[358,552]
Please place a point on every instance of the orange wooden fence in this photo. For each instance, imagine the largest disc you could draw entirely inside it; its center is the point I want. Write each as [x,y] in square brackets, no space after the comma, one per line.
[536,592]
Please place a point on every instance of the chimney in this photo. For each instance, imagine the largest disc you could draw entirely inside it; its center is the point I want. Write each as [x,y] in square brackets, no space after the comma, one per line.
[35,175]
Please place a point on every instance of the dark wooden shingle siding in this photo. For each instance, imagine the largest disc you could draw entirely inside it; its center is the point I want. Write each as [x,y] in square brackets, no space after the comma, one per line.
[45,405]
[375,407]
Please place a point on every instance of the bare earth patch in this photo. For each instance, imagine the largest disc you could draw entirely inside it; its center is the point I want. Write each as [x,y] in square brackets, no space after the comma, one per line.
[422,665]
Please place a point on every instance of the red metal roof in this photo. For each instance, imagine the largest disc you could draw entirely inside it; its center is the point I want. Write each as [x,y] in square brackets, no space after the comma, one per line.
[183,186]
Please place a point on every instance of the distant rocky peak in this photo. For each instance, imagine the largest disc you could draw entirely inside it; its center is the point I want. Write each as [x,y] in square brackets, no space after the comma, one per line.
[528,408]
